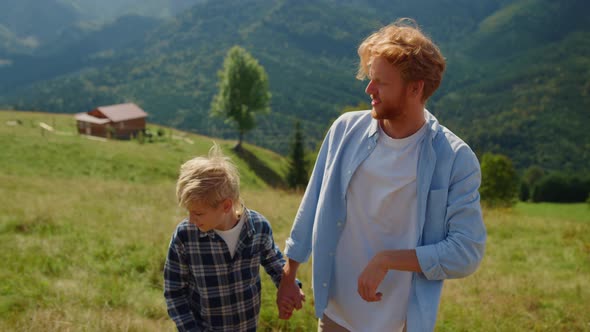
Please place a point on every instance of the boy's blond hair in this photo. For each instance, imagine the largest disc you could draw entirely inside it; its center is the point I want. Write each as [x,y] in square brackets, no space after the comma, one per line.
[405,46]
[210,179]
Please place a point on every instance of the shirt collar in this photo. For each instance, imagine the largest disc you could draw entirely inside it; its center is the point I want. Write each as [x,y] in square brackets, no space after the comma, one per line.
[202,234]
[373,127]
[432,126]
[249,225]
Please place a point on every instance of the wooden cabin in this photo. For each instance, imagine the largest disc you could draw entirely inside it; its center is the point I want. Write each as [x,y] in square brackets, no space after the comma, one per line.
[121,121]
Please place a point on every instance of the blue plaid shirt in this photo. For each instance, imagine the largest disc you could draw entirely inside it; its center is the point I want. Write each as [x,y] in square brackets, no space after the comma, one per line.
[208,290]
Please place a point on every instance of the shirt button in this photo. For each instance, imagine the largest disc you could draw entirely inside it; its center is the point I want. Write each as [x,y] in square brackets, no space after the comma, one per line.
[331,254]
[340,224]
[325,284]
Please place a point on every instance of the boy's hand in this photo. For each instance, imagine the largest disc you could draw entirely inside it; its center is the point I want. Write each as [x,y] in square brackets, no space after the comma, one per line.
[289,297]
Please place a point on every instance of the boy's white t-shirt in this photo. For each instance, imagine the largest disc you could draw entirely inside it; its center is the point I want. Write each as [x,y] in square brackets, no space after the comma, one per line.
[232,236]
[382,215]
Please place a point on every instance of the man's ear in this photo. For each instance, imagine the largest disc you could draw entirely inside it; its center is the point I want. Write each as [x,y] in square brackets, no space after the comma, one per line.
[417,88]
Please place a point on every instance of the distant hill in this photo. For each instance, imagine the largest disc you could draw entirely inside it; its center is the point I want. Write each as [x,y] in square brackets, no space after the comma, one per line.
[517,79]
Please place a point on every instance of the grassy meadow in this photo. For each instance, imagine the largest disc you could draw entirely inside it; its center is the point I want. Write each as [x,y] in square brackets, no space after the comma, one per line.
[85,225]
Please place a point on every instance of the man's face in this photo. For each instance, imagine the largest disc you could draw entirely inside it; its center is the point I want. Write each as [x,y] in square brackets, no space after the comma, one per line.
[388,91]
[206,217]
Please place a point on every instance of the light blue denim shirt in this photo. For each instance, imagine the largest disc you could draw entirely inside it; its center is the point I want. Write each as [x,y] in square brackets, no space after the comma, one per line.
[451,230]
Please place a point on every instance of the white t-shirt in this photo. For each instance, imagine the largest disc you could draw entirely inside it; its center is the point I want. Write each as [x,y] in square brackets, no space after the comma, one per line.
[232,236]
[381,214]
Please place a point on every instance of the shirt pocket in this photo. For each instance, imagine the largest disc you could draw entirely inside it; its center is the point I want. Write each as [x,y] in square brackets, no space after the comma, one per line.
[435,227]
[247,264]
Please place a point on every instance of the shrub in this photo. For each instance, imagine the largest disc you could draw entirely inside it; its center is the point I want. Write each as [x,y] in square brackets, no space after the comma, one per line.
[499,180]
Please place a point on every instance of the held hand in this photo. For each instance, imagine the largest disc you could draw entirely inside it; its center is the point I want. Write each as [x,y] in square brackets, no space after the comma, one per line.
[285,311]
[370,279]
[289,297]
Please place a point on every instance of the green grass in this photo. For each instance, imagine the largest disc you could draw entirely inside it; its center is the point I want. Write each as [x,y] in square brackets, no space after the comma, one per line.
[27,150]
[83,250]
[534,276]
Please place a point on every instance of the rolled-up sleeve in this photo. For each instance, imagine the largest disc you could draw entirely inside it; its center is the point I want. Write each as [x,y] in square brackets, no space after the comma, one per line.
[461,252]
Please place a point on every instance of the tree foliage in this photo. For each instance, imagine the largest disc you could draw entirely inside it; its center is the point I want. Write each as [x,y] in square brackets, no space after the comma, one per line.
[533,174]
[297,176]
[243,91]
[561,188]
[499,180]
[530,178]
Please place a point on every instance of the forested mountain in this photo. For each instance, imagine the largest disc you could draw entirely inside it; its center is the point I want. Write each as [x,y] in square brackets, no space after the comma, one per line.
[109,9]
[517,80]
[30,26]
[521,85]
[75,52]
[27,24]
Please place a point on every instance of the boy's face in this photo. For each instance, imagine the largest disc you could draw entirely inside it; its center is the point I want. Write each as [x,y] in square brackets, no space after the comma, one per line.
[206,217]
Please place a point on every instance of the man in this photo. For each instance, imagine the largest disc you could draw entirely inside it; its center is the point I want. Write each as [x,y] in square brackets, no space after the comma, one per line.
[392,208]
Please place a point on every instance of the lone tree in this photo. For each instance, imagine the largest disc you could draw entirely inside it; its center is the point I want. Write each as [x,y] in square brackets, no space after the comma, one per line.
[529,182]
[297,174]
[243,91]
[499,185]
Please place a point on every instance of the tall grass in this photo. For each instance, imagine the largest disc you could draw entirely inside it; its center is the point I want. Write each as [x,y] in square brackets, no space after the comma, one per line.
[83,250]
[534,276]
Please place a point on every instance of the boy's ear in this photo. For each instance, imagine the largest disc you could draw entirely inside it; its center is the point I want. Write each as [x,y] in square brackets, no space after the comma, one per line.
[227,204]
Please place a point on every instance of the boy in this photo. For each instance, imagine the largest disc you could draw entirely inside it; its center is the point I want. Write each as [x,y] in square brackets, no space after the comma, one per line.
[211,275]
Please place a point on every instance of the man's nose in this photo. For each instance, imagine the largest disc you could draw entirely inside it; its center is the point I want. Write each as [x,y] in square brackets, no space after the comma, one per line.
[370,88]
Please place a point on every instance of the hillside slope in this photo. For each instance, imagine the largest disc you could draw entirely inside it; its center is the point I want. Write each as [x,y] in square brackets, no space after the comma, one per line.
[27,150]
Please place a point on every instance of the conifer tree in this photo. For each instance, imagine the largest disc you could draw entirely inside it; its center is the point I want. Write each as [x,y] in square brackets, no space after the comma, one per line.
[297,175]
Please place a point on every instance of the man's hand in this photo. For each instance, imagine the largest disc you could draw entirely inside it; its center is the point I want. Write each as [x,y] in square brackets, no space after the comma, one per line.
[289,295]
[371,278]
[374,273]
[289,298]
